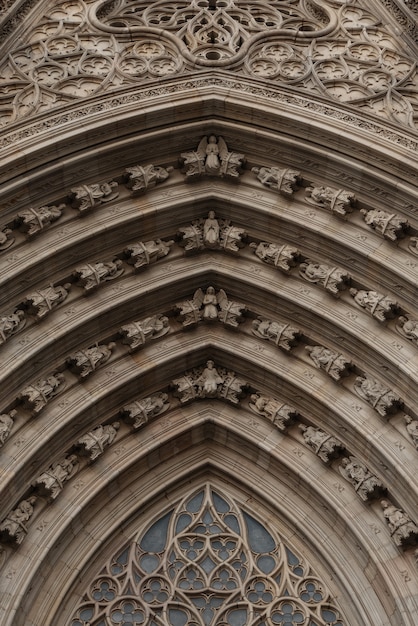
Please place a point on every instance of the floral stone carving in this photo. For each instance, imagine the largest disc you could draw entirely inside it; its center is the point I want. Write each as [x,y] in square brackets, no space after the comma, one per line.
[6,238]
[136,334]
[366,484]
[333,363]
[41,302]
[283,257]
[279,413]
[333,279]
[6,425]
[11,324]
[139,412]
[285,181]
[212,234]
[141,178]
[13,528]
[338,201]
[403,530]
[212,158]
[412,429]
[382,399]
[390,225]
[209,382]
[94,443]
[283,335]
[88,197]
[210,306]
[33,221]
[35,397]
[92,275]
[85,362]
[51,482]
[377,304]
[325,446]
[146,252]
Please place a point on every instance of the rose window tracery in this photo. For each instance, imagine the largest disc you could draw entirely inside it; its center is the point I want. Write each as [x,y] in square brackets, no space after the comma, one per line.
[207,562]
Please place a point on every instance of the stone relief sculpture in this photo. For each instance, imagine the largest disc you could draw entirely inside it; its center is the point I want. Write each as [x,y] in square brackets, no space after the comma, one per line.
[145,252]
[6,238]
[333,363]
[408,328]
[210,306]
[51,482]
[94,443]
[283,257]
[338,201]
[403,530]
[212,234]
[279,413]
[366,484]
[390,225]
[41,302]
[88,197]
[141,178]
[11,324]
[412,429]
[136,334]
[283,335]
[6,425]
[138,413]
[333,279]
[382,399]
[377,304]
[324,445]
[14,527]
[212,158]
[92,275]
[413,245]
[33,221]
[209,382]
[284,181]
[35,397]
[85,362]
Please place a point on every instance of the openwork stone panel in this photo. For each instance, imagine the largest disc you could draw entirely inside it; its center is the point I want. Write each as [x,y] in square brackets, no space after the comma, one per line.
[207,562]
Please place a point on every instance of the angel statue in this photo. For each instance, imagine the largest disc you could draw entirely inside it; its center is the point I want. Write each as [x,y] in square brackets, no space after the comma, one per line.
[212,158]
[210,306]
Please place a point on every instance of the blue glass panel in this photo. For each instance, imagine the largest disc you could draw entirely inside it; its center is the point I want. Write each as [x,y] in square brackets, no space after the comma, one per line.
[259,539]
[232,522]
[86,614]
[149,563]
[220,504]
[266,564]
[193,505]
[182,522]
[155,538]
[177,617]
[237,617]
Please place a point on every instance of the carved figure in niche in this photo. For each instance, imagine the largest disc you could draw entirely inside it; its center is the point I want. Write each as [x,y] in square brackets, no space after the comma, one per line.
[412,429]
[14,527]
[333,363]
[367,485]
[51,483]
[324,445]
[209,382]
[212,158]
[413,245]
[282,415]
[283,335]
[32,221]
[338,201]
[141,178]
[93,443]
[390,225]
[136,334]
[378,305]
[211,231]
[11,324]
[285,181]
[281,256]
[403,530]
[92,275]
[6,425]
[85,362]
[6,238]
[377,395]
[408,328]
[213,234]
[35,397]
[139,412]
[333,279]
[41,302]
[210,306]
[87,197]
[146,252]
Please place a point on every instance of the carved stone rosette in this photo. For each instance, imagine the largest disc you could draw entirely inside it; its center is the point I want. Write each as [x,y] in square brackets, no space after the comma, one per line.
[139,412]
